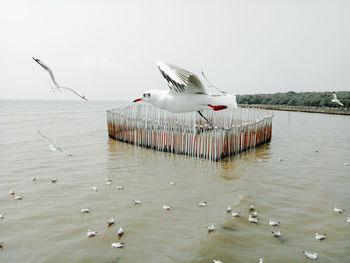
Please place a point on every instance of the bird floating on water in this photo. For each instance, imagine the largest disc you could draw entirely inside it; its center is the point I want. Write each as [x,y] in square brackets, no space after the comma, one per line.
[119,187]
[236,214]
[274,222]
[217,261]
[110,221]
[228,209]
[54,84]
[108,179]
[91,233]
[310,255]
[276,233]
[2,216]
[85,210]
[34,178]
[254,213]
[338,210]
[252,207]
[2,244]
[137,202]
[186,94]
[320,236]
[261,260]
[211,228]
[172,182]
[348,219]
[17,197]
[94,188]
[120,232]
[53,180]
[251,219]
[167,207]
[202,204]
[336,100]
[118,245]
[53,146]
[12,192]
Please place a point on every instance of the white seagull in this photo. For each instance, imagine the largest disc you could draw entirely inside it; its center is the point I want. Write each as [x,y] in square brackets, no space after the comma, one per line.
[91,233]
[120,232]
[217,261]
[119,187]
[53,180]
[12,192]
[236,214]
[85,210]
[261,260]
[310,255]
[17,197]
[167,207]
[54,84]
[52,145]
[252,207]
[211,228]
[255,214]
[276,233]
[338,210]
[137,202]
[186,94]
[1,216]
[110,221]
[94,188]
[336,100]
[320,236]
[34,178]
[2,244]
[228,209]
[172,183]
[251,219]
[202,204]
[274,222]
[118,245]
[348,219]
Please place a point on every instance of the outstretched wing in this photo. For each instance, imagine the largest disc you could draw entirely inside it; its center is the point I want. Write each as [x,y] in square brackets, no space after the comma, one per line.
[47,69]
[180,80]
[42,135]
[53,145]
[75,92]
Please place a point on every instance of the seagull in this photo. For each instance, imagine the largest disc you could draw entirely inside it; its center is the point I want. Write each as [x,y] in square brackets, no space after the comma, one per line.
[338,210]
[94,188]
[202,204]
[280,159]
[17,197]
[137,202]
[252,219]
[261,260]
[53,146]
[54,84]
[1,244]
[85,210]
[34,178]
[336,100]
[348,219]
[186,94]
[255,214]
[273,223]
[2,216]
[91,233]
[236,214]
[228,209]
[108,179]
[167,207]
[110,221]
[211,228]
[53,180]
[310,255]
[172,183]
[276,233]
[320,236]
[120,187]
[12,192]
[252,207]
[120,232]
[108,183]
[118,245]
[316,150]
[217,261]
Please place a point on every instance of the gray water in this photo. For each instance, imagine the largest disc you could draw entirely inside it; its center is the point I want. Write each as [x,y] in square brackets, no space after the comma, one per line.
[47,226]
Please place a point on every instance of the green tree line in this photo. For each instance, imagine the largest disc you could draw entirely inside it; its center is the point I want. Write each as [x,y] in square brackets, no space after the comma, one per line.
[291,98]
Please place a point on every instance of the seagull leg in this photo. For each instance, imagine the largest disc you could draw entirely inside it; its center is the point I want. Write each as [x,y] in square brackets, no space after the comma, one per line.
[211,126]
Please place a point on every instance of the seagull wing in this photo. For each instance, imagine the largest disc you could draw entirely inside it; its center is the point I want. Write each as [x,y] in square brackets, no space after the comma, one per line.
[180,80]
[42,135]
[75,92]
[54,144]
[47,69]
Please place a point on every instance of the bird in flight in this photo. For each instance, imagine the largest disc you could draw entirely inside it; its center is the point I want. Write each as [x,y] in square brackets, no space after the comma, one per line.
[186,93]
[54,84]
[52,145]
[336,100]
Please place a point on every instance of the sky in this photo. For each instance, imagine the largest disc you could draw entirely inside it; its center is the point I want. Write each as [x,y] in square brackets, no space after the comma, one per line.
[107,49]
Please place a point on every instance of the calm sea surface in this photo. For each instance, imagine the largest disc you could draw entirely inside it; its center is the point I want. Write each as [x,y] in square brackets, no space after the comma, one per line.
[47,226]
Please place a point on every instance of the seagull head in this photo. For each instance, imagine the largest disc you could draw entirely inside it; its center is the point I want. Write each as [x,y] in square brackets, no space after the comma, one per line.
[145,97]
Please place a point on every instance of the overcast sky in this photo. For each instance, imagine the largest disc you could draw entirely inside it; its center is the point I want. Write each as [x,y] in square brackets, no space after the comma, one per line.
[107,49]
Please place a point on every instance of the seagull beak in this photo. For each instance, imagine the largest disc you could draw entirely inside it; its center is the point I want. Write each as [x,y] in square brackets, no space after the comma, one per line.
[136,100]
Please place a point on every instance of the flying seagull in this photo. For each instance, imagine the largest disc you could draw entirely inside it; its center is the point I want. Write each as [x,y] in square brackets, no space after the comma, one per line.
[53,146]
[55,86]
[186,94]
[336,100]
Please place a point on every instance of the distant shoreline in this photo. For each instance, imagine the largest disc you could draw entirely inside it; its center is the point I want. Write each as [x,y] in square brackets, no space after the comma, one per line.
[324,110]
